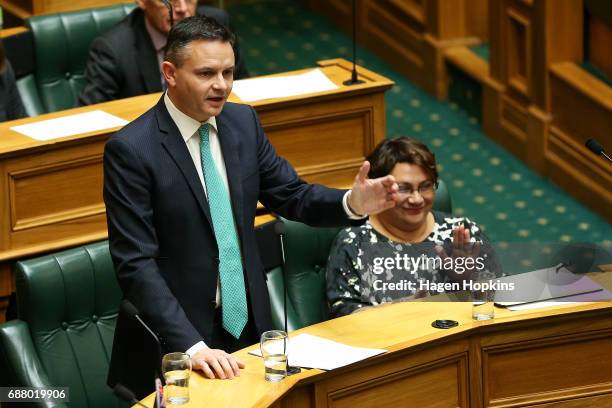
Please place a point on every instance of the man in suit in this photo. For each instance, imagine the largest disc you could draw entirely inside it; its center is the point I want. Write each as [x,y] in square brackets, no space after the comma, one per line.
[125,61]
[181,185]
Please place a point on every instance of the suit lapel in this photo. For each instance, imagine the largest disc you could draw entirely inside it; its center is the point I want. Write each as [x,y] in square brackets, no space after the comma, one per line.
[230,147]
[177,149]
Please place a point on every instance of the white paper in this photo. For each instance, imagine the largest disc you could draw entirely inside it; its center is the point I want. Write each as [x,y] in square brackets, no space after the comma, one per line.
[601,295]
[256,89]
[310,351]
[544,284]
[70,125]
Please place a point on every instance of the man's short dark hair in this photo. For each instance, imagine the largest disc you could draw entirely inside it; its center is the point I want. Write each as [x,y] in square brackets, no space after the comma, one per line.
[401,150]
[191,29]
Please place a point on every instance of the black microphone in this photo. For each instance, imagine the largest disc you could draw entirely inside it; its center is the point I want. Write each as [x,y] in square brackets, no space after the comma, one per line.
[279,229]
[131,310]
[126,394]
[596,148]
[168,5]
[354,80]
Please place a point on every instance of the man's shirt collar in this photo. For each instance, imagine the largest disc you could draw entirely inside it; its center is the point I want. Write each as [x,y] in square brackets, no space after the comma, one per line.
[187,125]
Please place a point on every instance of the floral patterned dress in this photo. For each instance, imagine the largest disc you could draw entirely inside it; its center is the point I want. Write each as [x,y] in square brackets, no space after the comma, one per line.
[356,276]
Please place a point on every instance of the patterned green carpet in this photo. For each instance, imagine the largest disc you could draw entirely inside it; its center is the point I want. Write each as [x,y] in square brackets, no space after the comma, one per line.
[487,183]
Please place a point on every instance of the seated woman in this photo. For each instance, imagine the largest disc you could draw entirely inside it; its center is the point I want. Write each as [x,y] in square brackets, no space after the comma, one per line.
[378,261]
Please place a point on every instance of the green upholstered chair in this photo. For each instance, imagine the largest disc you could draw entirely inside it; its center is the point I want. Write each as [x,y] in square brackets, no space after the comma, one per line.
[307,250]
[61,47]
[68,304]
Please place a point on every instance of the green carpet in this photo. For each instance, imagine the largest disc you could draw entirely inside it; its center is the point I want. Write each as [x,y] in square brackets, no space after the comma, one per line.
[487,183]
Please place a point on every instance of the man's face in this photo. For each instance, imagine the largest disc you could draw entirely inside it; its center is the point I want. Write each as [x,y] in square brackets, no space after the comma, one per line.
[201,83]
[157,14]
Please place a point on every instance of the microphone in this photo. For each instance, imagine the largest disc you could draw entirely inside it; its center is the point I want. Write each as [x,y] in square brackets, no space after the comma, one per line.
[279,229]
[127,395]
[354,80]
[596,148]
[168,5]
[131,310]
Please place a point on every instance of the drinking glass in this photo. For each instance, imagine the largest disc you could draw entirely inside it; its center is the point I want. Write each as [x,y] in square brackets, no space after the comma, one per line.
[176,368]
[274,352]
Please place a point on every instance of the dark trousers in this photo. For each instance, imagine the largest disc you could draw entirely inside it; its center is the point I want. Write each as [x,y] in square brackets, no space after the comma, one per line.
[221,339]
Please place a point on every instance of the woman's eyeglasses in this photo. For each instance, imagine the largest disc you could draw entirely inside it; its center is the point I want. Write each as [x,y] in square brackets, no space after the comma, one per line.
[426,188]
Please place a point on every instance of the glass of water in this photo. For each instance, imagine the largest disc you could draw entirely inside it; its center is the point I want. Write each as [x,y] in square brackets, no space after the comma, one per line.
[274,352]
[176,368]
[483,295]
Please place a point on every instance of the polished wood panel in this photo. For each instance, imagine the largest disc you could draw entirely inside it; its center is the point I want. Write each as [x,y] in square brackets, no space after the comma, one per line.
[537,102]
[412,34]
[51,192]
[600,37]
[556,356]
[23,9]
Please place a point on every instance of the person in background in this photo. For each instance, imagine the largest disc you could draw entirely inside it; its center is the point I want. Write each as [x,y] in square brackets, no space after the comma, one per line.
[409,227]
[11,106]
[125,61]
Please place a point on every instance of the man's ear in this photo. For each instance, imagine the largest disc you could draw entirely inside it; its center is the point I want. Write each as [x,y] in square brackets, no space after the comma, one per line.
[169,72]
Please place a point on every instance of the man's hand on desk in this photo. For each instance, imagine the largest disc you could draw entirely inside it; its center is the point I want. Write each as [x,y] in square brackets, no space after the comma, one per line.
[216,363]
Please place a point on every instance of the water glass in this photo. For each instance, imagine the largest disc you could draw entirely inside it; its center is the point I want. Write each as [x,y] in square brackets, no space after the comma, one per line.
[176,368]
[483,295]
[273,346]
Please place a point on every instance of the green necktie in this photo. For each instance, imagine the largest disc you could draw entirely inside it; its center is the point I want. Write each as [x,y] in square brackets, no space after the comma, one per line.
[233,294]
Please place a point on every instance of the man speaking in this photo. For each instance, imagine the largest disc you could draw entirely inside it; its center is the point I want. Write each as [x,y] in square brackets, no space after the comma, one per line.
[181,185]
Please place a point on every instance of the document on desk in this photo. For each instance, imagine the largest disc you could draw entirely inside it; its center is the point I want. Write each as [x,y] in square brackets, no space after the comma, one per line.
[598,296]
[544,284]
[257,89]
[70,125]
[310,351]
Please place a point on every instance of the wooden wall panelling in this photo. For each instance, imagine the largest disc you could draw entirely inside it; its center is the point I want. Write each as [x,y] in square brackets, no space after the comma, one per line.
[395,32]
[561,361]
[518,52]
[476,19]
[433,376]
[411,35]
[340,12]
[581,108]
[600,38]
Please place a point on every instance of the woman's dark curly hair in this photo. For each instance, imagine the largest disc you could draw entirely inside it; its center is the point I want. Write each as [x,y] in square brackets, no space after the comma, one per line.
[401,150]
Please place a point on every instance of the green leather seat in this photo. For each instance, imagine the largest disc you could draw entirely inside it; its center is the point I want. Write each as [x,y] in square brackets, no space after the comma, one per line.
[307,250]
[68,304]
[61,47]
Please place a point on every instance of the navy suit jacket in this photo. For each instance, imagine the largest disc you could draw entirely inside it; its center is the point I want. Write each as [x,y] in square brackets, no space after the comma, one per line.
[161,236]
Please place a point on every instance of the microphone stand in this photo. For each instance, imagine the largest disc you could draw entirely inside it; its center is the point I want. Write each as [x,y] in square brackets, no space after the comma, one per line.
[279,228]
[131,310]
[168,5]
[354,79]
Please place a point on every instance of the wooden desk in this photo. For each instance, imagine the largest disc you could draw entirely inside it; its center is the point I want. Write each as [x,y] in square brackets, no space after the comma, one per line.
[51,192]
[24,9]
[558,356]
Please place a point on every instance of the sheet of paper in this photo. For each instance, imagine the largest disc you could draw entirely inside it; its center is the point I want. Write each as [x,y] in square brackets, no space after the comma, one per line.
[256,89]
[310,351]
[544,284]
[601,295]
[70,125]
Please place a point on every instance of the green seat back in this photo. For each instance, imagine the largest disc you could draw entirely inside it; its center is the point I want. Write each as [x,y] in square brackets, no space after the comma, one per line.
[68,304]
[61,48]
[307,249]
